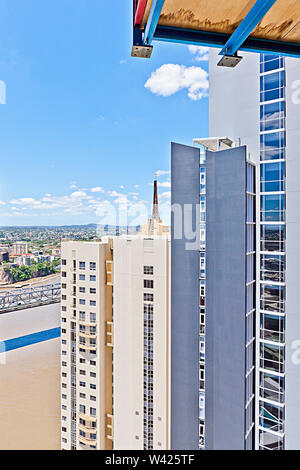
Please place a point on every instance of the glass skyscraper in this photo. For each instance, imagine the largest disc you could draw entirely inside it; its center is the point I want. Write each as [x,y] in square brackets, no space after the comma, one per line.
[257,105]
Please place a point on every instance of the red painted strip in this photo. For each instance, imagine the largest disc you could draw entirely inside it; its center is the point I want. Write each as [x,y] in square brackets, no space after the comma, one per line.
[140,10]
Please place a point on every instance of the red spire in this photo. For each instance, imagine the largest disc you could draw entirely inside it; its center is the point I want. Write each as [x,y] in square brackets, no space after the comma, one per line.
[155,210]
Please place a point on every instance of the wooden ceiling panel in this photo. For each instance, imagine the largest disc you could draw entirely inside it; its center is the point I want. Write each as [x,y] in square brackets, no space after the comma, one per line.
[282,22]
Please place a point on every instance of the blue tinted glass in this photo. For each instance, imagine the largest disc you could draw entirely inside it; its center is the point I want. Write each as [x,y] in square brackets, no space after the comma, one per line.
[272,95]
[273,177]
[267,57]
[272,154]
[272,81]
[272,110]
[271,141]
[272,64]
[273,208]
[272,237]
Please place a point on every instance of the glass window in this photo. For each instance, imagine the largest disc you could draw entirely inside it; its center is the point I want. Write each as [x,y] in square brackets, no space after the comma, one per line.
[272,268]
[272,357]
[273,140]
[273,238]
[272,116]
[273,208]
[148,283]
[272,63]
[272,297]
[271,416]
[272,387]
[272,327]
[81,265]
[268,441]
[82,277]
[272,177]
[149,270]
[272,86]
[92,317]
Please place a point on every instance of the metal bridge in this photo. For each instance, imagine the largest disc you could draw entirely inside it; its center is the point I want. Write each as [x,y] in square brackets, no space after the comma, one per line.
[24,298]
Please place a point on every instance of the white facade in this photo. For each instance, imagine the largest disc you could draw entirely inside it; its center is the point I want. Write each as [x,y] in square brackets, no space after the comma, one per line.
[86,350]
[141,342]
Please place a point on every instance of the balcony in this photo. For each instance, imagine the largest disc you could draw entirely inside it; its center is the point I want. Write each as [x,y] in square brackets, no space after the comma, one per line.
[86,323]
[87,334]
[109,273]
[88,346]
[87,428]
[87,417]
[86,441]
[109,333]
[109,427]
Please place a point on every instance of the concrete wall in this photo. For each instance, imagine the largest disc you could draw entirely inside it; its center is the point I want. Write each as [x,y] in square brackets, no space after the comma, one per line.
[234,101]
[225,299]
[131,254]
[30,382]
[185,302]
[99,253]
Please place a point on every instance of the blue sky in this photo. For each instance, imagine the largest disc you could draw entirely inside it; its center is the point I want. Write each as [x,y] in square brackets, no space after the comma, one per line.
[79,127]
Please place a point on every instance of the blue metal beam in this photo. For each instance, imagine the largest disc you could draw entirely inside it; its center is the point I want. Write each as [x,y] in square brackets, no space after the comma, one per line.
[153,19]
[253,18]
[209,39]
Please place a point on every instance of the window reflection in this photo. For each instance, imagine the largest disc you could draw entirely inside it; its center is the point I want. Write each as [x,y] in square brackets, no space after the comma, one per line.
[273,238]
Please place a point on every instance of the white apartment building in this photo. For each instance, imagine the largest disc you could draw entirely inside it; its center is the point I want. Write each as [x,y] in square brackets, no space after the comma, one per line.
[86,349]
[20,248]
[115,343]
[141,342]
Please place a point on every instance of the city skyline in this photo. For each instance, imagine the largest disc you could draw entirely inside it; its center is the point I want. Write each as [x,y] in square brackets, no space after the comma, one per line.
[68,104]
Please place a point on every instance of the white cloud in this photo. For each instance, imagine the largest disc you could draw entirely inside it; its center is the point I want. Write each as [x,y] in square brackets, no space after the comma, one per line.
[78,194]
[200,52]
[2,203]
[162,173]
[171,78]
[165,184]
[165,195]
[97,189]
[115,194]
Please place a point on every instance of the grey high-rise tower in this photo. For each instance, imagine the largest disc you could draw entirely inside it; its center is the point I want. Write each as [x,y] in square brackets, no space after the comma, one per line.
[256,106]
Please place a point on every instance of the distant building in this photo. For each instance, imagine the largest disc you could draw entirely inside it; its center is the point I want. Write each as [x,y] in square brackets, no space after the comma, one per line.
[56,252]
[4,257]
[20,248]
[154,225]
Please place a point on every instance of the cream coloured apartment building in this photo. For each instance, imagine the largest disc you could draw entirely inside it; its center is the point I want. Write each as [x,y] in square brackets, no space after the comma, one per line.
[86,349]
[115,343]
